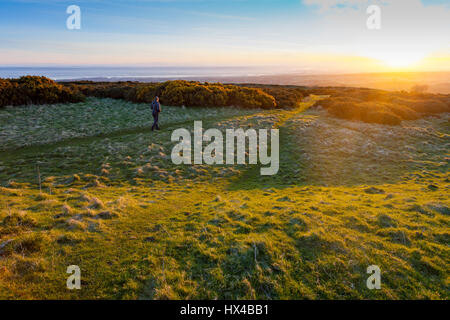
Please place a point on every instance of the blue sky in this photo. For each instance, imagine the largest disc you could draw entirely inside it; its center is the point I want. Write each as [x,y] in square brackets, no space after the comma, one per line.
[299,33]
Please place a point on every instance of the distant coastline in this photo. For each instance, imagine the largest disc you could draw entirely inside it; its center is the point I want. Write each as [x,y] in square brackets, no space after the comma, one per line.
[436,82]
[134,72]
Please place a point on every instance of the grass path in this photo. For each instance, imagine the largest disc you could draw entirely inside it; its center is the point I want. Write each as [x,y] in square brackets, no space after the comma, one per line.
[251,178]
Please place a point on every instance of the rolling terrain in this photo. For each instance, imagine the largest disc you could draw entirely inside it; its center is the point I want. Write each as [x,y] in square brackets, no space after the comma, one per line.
[89,184]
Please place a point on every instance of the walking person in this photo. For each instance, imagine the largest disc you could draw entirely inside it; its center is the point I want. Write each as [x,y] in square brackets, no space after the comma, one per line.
[156,109]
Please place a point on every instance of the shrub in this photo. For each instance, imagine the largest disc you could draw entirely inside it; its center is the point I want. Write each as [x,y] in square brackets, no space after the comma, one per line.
[35,90]
[8,92]
[370,112]
[375,106]
[181,93]
[251,98]
[427,106]
[286,97]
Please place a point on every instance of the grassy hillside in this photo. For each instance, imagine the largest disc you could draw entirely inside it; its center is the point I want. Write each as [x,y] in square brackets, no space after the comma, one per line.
[348,195]
[356,104]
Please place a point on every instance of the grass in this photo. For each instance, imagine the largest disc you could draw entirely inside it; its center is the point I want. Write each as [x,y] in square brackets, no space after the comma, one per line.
[348,195]
[40,125]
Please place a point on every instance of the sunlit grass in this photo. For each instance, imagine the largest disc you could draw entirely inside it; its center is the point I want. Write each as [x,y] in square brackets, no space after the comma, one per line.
[348,195]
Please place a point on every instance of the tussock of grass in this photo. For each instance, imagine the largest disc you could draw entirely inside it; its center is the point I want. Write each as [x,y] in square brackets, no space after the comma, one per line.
[74,225]
[106,215]
[66,210]
[10,192]
[96,203]
[43,197]
[25,266]
[69,239]
[20,219]
[26,244]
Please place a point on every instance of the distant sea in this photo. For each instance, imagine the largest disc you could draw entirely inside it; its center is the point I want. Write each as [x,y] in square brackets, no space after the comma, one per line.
[437,82]
[111,73]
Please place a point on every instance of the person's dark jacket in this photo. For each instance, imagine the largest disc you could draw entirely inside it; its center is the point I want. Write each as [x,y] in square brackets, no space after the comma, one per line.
[156,107]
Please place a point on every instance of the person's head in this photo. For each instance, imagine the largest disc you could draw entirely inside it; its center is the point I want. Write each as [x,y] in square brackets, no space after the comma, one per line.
[157,98]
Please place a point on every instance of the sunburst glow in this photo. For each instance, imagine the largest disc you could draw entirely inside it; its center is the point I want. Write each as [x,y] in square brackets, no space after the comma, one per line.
[401,60]
[395,58]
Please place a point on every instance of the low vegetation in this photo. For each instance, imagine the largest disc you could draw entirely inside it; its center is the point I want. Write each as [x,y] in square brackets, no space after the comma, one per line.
[286,97]
[375,106]
[367,105]
[47,124]
[181,93]
[35,90]
[89,184]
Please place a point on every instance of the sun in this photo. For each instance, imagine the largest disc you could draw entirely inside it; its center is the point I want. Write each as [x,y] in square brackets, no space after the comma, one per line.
[401,59]
[398,58]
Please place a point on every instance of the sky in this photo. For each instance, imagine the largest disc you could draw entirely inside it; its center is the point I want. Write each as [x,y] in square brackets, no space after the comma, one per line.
[304,35]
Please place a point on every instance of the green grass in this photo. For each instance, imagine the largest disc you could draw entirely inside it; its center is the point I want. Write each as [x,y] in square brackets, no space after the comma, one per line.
[348,195]
[38,125]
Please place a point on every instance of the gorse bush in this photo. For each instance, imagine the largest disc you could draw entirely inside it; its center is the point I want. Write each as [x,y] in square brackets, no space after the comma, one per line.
[369,111]
[376,106]
[360,104]
[427,106]
[287,97]
[114,90]
[41,90]
[35,90]
[181,93]
[8,92]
